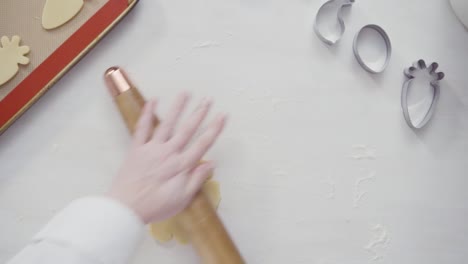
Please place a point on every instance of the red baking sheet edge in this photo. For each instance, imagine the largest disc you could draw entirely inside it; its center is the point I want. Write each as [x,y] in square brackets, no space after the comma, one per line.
[20,98]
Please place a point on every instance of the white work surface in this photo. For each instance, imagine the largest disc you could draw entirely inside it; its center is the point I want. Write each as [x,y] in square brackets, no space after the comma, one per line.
[317,164]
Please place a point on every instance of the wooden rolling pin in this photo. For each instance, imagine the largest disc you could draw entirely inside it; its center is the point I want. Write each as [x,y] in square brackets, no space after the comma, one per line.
[200,220]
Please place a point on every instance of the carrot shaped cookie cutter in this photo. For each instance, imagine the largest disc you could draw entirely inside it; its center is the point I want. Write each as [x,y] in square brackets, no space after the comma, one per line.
[331,7]
[434,78]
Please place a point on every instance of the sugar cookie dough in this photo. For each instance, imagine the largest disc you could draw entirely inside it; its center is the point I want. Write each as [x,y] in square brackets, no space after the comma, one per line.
[166,230]
[11,54]
[59,12]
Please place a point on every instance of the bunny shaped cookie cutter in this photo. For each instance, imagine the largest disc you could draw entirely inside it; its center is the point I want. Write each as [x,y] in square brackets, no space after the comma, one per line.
[420,65]
[318,27]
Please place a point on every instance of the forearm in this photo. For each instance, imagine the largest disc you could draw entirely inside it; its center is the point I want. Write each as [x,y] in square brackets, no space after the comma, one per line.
[90,230]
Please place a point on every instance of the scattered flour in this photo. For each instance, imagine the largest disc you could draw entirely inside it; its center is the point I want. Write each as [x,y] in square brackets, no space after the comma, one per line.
[378,243]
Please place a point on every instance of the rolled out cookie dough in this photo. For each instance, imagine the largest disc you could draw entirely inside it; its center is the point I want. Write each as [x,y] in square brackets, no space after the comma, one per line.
[59,12]
[11,54]
[167,230]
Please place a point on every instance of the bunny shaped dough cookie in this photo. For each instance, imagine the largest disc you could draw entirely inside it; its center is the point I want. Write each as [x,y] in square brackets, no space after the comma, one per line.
[11,54]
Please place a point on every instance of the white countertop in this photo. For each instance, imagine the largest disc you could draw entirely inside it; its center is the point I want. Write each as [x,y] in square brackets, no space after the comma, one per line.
[301,113]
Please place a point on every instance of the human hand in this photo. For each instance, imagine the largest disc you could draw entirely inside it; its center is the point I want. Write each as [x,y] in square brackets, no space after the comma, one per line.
[162,172]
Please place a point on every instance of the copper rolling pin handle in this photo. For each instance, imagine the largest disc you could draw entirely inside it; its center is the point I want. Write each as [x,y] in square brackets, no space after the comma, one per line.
[203,226]
[127,97]
[117,81]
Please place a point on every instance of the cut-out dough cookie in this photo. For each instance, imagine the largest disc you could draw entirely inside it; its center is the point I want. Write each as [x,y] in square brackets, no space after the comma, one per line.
[167,230]
[59,12]
[11,54]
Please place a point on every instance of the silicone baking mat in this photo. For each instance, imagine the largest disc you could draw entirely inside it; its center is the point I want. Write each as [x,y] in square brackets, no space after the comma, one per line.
[52,52]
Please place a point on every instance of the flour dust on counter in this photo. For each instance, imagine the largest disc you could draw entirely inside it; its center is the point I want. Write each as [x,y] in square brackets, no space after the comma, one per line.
[379,242]
[274,101]
[363,152]
[331,194]
[359,193]
[206,44]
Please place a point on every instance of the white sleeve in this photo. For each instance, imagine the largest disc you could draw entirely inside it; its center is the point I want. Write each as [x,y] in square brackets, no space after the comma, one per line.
[92,230]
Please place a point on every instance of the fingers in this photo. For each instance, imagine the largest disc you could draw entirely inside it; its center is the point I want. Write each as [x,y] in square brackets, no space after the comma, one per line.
[193,154]
[198,176]
[187,130]
[166,127]
[144,126]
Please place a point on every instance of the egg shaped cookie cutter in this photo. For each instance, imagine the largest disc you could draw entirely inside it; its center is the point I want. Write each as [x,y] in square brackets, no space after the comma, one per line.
[339,16]
[372,67]
[420,65]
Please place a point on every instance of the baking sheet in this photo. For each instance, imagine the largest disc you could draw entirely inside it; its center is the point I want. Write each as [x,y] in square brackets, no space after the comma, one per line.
[91,25]
[23,18]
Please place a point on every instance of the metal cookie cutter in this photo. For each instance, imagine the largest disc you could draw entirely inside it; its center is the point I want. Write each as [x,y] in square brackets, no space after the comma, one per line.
[318,28]
[420,65]
[373,67]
